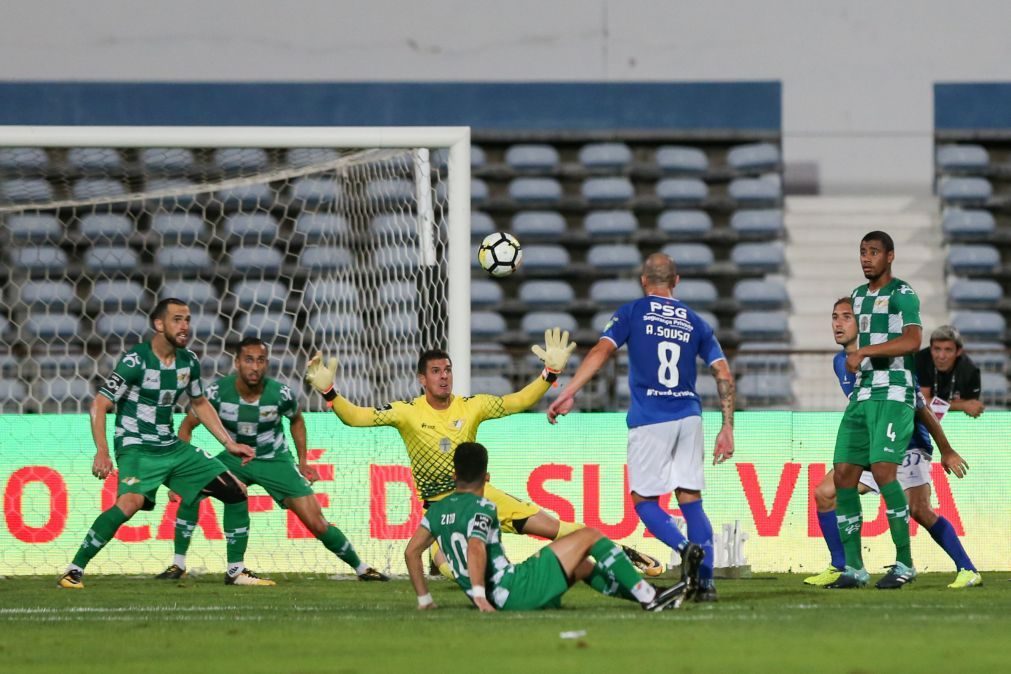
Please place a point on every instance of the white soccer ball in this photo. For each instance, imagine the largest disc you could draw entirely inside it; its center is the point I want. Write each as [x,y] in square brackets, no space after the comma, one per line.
[500,254]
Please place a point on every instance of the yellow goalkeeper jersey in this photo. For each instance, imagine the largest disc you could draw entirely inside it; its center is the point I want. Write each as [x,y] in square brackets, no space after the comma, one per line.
[432,436]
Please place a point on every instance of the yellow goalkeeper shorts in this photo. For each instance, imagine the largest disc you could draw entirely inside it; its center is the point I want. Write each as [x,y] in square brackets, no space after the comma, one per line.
[509,507]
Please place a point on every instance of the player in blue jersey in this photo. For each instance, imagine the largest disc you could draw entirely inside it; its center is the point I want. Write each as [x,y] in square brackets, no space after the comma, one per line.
[665,444]
[913,474]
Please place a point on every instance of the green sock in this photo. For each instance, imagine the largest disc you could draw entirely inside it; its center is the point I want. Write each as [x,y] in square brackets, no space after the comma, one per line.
[850,519]
[611,560]
[897,510]
[186,522]
[100,533]
[334,540]
[236,526]
[605,583]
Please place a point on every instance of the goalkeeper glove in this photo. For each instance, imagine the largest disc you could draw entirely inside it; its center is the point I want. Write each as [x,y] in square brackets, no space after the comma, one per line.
[321,376]
[555,353]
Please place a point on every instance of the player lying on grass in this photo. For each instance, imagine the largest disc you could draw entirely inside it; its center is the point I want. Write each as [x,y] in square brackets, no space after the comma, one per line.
[466,526]
[913,474]
[144,387]
[251,406]
[436,422]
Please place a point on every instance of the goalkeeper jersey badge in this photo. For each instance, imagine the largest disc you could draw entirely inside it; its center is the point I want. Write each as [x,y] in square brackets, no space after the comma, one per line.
[445,445]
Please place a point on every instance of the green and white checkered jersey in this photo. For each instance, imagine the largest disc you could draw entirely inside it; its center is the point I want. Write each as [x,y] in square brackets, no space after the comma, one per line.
[145,391]
[881,316]
[257,423]
[459,517]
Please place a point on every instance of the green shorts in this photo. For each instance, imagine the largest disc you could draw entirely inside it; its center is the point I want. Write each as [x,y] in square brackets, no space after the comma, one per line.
[539,582]
[278,477]
[181,467]
[874,431]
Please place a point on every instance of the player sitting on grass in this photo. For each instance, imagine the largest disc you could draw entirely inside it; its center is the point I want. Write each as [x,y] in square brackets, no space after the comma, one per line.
[466,526]
[435,423]
[913,474]
[144,387]
[251,406]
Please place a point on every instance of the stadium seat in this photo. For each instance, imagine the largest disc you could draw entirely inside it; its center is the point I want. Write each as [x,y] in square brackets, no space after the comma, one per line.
[980,325]
[545,257]
[962,158]
[307,156]
[710,318]
[965,191]
[117,295]
[33,228]
[994,389]
[765,390]
[111,260]
[488,358]
[477,157]
[968,225]
[681,160]
[325,258]
[331,292]
[758,257]
[761,294]
[478,191]
[610,224]
[260,294]
[250,228]
[762,326]
[682,191]
[535,190]
[392,191]
[214,364]
[535,323]
[52,326]
[22,190]
[100,160]
[287,366]
[13,394]
[758,223]
[171,193]
[973,259]
[690,257]
[106,227]
[601,319]
[530,225]
[256,195]
[57,295]
[762,357]
[184,259]
[182,228]
[607,191]
[492,385]
[485,294]
[618,257]
[539,294]
[754,157]
[615,292]
[975,294]
[532,157]
[394,227]
[481,225]
[404,293]
[265,324]
[11,366]
[487,325]
[766,190]
[256,260]
[39,259]
[166,160]
[316,226]
[128,327]
[316,192]
[989,356]
[63,395]
[66,363]
[23,159]
[205,324]
[685,224]
[240,159]
[195,293]
[698,294]
[605,156]
[93,188]
[329,323]
[395,258]
[400,323]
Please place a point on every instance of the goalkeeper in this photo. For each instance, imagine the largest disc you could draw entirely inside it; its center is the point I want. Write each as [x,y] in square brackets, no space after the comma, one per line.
[434,423]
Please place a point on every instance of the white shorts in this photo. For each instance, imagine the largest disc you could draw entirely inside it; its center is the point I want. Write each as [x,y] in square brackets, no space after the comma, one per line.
[914,471]
[666,456]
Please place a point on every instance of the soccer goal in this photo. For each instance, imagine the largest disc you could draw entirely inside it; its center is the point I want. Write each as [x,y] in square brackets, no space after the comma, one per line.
[352,241]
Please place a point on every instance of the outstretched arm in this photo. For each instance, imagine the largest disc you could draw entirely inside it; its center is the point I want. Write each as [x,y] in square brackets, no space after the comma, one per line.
[321,376]
[594,360]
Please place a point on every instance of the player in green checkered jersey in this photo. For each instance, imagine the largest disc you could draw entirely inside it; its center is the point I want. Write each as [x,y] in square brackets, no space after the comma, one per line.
[878,421]
[144,387]
[251,406]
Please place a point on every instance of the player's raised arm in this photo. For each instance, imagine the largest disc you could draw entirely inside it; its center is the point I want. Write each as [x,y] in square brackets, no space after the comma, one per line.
[320,376]
[554,354]
[420,542]
[595,359]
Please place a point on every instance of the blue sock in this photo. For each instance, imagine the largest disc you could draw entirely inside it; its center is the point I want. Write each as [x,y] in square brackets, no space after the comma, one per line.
[830,532]
[944,534]
[660,524]
[700,531]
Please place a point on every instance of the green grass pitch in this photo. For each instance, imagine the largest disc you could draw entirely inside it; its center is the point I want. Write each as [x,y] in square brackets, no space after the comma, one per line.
[311,624]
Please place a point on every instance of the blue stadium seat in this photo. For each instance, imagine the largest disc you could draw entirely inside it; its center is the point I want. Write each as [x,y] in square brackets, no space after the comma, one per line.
[11,366]
[980,325]
[759,257]
[492,385]
[57,295]
[325,258]
[257,260]
[481,225]
[762,357]
[758,223]
[601,319]
[331,323]
[118,295]
[994,389]
[544,257]
[615,292]
[535,190]
[618,257]
[762,325]
[477,157]
[962,158]
[690,257]
[765,390]
[94,159]
[400,323]
[184,260]
[256,195]
[478,191]
[610,224]
[682,191]
[93,188]
[488,358]
[681,160]
[532,157]
[265,324]
[111,260]
[33,228]
[22,190]
[761,294]
[127,327]
[316,192]
[754,157]
[250,227]
[966,191]
[605,156]
[766,190]
[215,364]
[307,156]
[487,325]
[53,326]
[182,228]
[205,324]
[166,160]
[535,323]
[393,191]
[174,193]
[687,224]
[990,356]
[971,293]
[60,395]
[607,191]
[395,258]
[195,293]
[69,363]
[329,292]
[240,159]
[394,227]
[404,293]
[315,226]
[260,294]
[485,294]
[973,259]
[710,318]
[106,227]
[13,394]
[24,159]
[968,225]
[699,294]
[39,259]
[538,294]
[528,225]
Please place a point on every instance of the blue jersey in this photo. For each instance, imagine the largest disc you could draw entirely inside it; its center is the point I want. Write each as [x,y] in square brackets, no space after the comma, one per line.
[920,438]
[664,338]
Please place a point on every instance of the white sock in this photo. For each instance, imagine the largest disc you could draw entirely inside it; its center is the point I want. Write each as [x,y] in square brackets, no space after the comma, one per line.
[643,591]
[180,561]
[73,567]
[361,568]
[236,568]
